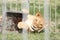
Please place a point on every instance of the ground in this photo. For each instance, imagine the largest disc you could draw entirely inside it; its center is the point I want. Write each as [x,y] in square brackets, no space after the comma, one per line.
[31,36]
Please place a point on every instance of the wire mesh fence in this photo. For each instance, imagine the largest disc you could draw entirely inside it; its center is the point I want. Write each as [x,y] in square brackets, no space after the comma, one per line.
[49,9]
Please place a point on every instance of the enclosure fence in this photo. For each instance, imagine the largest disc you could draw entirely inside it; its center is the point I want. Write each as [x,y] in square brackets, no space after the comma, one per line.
[48,8]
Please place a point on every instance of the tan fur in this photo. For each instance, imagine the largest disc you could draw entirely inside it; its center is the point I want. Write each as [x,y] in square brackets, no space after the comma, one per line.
[22,25]
[36,22]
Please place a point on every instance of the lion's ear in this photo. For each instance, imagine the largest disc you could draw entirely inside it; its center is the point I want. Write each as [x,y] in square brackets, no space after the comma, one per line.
[38,14]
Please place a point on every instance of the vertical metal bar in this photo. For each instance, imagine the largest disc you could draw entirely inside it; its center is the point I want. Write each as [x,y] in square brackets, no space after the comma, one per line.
[55,14]
[39,5]
[25,6]
[46,17]
[4,32]
[10,5]
[34,7]
[50,12]
[16,4]
[25,10]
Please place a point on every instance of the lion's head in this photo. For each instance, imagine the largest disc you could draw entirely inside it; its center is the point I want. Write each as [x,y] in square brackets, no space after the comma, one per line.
[38,22]
[34,22]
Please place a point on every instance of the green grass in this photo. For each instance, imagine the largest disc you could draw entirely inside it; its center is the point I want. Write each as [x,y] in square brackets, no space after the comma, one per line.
[55,36]
[31,36]
[18,36]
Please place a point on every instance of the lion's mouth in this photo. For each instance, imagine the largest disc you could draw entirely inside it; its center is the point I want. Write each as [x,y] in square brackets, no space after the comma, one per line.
[35,28]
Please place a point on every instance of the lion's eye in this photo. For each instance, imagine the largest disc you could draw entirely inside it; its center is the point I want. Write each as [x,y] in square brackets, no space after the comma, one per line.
[41,25]
[35,19]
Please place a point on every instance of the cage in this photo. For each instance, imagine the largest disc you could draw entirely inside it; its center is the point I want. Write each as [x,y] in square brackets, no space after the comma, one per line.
[29,20]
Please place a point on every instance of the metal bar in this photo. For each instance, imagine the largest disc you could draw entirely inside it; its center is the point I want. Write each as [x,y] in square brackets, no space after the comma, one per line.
[39,5]
[10,5]
[34,7]
[25,10]
[46,18]
[50,12]
[4,32]
[16,4]
[55,14]
[25,6]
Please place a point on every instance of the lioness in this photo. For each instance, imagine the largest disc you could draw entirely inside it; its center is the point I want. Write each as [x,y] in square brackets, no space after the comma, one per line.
[32,23]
